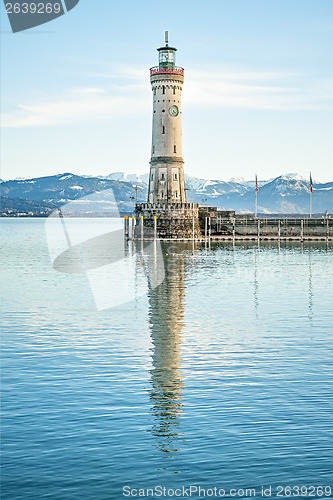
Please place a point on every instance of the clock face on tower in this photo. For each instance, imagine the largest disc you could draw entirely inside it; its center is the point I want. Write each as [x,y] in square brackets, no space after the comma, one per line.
[173,111]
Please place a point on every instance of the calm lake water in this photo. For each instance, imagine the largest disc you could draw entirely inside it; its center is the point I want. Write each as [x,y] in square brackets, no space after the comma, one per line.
[219,377]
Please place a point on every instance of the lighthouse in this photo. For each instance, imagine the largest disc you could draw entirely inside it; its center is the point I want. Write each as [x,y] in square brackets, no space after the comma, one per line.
[166,179]
[167,214]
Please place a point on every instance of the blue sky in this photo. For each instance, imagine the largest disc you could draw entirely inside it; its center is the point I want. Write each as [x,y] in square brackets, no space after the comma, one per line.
[257,96]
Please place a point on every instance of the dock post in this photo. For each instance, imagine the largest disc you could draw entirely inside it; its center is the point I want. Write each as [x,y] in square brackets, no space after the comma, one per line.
[126,223]
[279,229]
[209,229]
[141,227]
[233,228]
[133,227]
[327,228]
[258,229]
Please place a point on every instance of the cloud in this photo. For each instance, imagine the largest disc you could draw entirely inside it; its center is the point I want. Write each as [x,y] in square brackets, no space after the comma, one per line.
[75,106]
[258,90]
[130,94]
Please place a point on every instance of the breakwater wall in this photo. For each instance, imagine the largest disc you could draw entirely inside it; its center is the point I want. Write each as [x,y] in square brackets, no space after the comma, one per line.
[184,225]
[278,228]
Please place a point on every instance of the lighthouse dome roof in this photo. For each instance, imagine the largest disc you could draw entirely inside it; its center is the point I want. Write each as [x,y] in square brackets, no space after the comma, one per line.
[166,47]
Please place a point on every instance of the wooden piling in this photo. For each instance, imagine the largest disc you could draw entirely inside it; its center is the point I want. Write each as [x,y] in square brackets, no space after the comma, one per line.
[126,222]
[133,227]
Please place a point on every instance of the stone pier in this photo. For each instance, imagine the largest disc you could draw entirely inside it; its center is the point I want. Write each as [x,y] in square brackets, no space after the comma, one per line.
[169,220]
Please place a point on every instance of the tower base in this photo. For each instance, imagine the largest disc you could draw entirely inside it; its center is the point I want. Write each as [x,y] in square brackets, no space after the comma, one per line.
[167,221]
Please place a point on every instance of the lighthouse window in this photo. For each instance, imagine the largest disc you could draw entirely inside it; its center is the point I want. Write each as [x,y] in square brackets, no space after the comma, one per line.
[152,177]
[167,56]
[174,149]
[163,89]
[153,149]
[175,177]
[163,129]
[174,90]
[162,177]
[176,194]
[154,91]
[162,194]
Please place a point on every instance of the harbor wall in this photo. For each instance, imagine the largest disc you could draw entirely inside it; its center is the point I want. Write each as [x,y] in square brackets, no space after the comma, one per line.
[168,221]
[284,228]
[190,221]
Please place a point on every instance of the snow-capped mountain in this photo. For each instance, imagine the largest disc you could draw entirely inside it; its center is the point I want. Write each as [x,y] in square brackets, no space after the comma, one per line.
[137,179]
[58,190]
[285,194]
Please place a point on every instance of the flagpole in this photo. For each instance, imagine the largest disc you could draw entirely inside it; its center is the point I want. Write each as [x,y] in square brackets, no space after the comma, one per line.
[256,205]
[256,199]
[311,189]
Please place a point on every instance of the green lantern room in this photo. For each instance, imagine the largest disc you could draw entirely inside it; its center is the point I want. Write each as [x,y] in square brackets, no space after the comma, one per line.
[167,55]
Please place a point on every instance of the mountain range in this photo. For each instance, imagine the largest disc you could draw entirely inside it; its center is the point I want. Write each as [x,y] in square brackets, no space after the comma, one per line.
[39,196]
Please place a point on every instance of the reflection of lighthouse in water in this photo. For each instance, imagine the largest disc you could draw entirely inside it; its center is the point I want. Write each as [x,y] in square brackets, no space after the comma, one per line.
[166,313]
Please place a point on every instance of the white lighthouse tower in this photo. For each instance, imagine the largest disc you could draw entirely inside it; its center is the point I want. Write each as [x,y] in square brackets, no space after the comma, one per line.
[166,213]
[166,180]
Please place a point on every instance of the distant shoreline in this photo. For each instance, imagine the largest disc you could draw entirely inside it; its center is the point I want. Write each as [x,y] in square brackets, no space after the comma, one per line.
[96,215]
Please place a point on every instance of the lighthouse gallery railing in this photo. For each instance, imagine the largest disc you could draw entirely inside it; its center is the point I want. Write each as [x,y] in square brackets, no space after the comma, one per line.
[176,70]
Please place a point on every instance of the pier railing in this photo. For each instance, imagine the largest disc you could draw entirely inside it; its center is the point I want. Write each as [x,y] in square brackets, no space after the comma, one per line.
[269,228]
[167,206]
